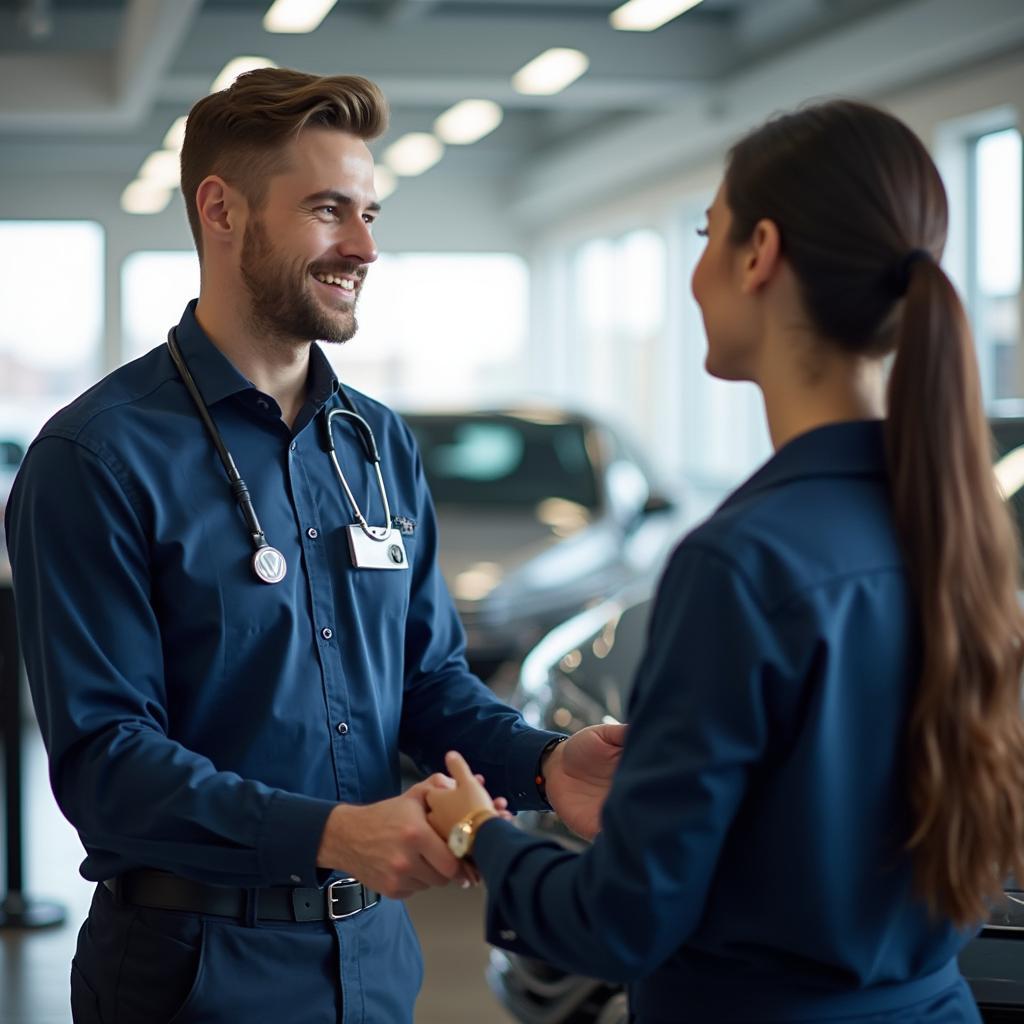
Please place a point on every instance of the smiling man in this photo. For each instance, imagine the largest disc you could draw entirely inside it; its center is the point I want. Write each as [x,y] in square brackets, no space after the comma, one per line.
[226,671]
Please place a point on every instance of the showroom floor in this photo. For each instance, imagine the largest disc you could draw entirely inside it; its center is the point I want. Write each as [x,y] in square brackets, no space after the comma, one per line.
[34,965]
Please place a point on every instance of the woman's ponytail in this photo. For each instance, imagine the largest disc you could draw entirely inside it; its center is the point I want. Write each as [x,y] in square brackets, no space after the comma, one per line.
[966,733]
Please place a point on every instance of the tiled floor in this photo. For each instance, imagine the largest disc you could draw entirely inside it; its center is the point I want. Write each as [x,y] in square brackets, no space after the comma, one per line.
[34,965]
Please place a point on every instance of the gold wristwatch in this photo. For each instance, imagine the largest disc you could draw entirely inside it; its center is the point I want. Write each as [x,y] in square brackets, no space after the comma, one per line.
[460,839]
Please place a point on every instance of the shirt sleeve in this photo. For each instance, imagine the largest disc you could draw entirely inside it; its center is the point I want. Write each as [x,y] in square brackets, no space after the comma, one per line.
[697,729]
[445,706]
[92,646]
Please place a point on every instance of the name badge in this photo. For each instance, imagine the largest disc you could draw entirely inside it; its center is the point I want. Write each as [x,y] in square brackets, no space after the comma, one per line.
[387,552]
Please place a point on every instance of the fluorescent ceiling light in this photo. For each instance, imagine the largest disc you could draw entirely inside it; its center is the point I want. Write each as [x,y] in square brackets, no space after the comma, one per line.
[296,15]
[175,137]
[413,154]
[384,181]
[237,67]
[647,15]
[162,168]
[145,197]
[551,72]
[468,121]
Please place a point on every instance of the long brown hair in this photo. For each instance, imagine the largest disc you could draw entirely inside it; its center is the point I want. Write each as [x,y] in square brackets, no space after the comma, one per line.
[862,215]
[239,132]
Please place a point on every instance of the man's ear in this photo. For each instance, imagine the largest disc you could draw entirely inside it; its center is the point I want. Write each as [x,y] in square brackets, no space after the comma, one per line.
[221,210]
[761,256]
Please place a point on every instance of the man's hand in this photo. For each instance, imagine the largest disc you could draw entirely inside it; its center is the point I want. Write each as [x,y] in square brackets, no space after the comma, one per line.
[389,846]
[578,775]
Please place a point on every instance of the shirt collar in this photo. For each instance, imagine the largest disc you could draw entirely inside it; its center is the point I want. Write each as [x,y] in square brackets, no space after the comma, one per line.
[855,448]
[217,376]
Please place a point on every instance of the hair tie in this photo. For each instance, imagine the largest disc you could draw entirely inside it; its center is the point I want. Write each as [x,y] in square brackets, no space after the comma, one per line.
[901,278]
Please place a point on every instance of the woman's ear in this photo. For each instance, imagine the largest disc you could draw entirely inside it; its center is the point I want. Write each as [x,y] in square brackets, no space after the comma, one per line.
[761,256]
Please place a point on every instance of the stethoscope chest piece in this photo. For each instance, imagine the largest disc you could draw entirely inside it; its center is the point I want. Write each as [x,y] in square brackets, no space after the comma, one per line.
[269,564]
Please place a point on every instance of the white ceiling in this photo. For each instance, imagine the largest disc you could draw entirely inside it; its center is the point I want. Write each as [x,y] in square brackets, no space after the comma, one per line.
[103,79]
[96,91]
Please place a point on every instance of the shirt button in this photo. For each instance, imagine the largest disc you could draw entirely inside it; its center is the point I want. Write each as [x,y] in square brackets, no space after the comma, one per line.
[311,533]
[262,403]
[295,878]
[343,728]
[293,446]
[508,935]
[327,632]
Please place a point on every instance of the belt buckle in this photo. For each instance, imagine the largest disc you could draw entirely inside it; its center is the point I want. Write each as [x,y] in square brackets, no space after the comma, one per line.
[332,899]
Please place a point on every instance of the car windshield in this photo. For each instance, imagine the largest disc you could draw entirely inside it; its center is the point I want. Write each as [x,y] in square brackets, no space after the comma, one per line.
[504,461]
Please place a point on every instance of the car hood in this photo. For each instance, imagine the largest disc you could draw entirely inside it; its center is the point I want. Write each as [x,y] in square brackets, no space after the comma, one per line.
[505,540]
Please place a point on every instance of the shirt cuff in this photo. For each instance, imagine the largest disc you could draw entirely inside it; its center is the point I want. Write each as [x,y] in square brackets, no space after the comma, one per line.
[521,761]
[292,829]
[496,846]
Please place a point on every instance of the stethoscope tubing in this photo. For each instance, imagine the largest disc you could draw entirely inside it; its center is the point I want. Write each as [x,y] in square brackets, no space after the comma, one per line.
[369,443]
[268,563]
[238,486]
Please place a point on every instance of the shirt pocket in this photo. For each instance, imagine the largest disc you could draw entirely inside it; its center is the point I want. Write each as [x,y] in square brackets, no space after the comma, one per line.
[381,592]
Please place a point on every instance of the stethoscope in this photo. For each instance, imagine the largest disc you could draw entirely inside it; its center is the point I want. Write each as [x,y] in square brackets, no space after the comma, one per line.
[268,563]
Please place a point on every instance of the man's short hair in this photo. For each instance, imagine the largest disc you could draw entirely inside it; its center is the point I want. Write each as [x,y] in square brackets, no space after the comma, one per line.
[239,133]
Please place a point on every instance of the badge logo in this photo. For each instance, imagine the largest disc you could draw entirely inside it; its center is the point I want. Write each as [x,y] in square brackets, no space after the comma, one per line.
[269,565]
[396,554]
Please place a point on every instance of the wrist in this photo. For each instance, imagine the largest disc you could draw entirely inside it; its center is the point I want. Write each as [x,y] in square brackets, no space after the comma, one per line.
[331,853]
[545,763]
[463,833]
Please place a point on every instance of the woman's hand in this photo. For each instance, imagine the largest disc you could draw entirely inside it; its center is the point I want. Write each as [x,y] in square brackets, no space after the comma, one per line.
[449,806]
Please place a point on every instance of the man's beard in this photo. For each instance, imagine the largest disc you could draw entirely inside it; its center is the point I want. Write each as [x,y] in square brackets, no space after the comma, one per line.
[280,304]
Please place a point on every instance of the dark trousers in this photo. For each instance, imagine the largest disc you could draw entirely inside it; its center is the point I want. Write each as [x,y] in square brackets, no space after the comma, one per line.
[139,966]
[955,1005]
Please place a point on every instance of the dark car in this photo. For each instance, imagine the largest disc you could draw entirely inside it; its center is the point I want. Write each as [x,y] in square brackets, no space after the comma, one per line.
[541,513]
[580,675]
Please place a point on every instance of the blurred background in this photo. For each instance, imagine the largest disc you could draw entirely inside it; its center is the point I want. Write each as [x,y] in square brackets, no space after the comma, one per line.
[547,166]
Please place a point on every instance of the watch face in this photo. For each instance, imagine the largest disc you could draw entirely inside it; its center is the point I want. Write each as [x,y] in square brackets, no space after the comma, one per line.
[458,839]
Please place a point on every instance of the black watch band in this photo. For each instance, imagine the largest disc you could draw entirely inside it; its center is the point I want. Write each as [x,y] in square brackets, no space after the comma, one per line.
[539,779]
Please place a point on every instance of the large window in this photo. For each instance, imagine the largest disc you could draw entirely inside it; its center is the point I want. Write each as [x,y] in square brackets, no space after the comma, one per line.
[434,329]
[51,330]
[439,329]
[995,228]
[155,287]
[618,324]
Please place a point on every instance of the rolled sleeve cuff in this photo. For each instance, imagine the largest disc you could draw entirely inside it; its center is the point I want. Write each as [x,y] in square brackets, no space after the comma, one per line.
[290,838]
[524,752]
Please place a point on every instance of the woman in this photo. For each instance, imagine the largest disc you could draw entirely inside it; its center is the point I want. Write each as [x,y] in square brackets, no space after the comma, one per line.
[823,781]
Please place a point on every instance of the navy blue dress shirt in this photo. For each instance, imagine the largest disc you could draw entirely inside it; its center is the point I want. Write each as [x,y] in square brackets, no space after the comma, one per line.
[751,864]
[198,720]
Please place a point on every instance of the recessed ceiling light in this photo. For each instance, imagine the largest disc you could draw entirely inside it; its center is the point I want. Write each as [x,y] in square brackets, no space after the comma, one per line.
[413,154]
[468,121]
[163,168]
[145,197]
[384,181]
[237,67]
[551,72]
[647,15]
[296,15]
[175,137]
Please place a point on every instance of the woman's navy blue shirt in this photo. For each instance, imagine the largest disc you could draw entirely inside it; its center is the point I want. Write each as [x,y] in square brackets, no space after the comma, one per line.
[752,862]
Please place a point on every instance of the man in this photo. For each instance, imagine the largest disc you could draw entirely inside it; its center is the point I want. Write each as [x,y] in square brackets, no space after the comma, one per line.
[225,673]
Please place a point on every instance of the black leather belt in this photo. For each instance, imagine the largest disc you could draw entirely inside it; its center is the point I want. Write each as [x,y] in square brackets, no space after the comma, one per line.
[162,891]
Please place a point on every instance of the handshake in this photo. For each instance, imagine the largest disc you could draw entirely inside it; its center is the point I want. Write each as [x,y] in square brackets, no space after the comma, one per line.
[400,846]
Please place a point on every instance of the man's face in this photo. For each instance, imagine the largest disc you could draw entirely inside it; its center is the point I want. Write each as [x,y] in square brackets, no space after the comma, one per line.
[305,252]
